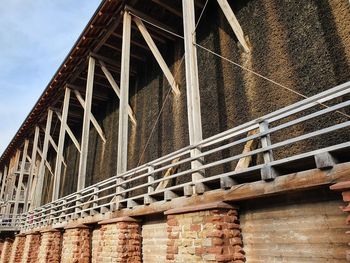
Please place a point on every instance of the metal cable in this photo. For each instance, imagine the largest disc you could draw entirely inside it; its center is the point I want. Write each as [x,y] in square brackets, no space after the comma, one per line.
[239,65]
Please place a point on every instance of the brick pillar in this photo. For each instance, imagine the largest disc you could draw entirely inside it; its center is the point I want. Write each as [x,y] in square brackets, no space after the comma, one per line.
[344,188]
[31,247]
[76,244]
[50,246]
[17,249]
[2,242]
[119,241]
[204,233]
[6,251]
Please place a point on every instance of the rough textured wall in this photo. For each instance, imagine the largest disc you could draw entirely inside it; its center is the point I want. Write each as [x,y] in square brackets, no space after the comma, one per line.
[304,45]
[154,241]
[308,227]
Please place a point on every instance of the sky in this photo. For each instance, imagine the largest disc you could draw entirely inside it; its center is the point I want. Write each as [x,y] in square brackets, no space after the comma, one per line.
[35,37]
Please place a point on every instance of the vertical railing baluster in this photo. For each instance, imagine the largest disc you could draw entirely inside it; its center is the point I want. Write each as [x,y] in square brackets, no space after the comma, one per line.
[267,172]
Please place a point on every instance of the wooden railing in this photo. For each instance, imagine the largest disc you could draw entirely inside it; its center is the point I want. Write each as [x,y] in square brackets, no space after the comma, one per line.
[282,139]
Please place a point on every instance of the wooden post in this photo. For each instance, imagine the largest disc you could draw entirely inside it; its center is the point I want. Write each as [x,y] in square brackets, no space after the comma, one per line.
[32,167]
[192,88]
[3,184]
[62,136]
[41,171]
[122,156]
[157,55]
[12,186]
[86,124]
[268,172]
[20,179]
[236,27]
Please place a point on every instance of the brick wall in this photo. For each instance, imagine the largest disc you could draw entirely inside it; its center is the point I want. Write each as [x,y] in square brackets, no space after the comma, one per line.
[17,249]
[119,241]
[76,244]
[204,233]
[95,241]
[6,251]
[154,239]
[31,248]
[50,247]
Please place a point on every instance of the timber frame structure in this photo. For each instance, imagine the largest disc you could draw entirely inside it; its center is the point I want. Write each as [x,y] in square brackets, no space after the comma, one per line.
[103,63]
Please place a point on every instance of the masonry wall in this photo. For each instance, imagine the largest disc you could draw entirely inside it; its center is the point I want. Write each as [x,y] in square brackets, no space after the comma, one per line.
[305,227]
[154,240]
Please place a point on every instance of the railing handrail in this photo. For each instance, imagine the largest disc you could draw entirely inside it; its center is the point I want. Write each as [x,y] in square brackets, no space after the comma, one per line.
[162,163]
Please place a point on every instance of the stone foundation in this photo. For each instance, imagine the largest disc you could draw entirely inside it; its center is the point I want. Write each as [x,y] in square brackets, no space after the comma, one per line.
[31,248]
[76,244]
[204,233]
[50,247]
[6,251]
[119,241]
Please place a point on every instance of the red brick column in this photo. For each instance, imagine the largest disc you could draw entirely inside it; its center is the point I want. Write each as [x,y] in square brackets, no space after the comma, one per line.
[6,251]
[76,244]
[17,249]
[2,242]
[204,233]
[119,241]
[50,246]
[344,187]
[31,247]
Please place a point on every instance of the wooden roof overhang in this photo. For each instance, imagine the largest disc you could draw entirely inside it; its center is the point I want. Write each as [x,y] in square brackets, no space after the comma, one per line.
[101,38]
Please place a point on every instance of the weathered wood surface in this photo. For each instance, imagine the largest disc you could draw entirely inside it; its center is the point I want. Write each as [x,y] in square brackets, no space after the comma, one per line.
[281,185]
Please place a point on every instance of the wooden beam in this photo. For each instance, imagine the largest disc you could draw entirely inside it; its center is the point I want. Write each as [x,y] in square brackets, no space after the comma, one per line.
[236,27]
[192,87]
[69,131]
[168,6]
[32,168]
[267,173]
[135,56]
[20,179]
[86,125]
[41,171]
[158,56]
[133,42]
[116,89]
[159,27]
[92,118]
[3,183]
[62,136]
[122,155]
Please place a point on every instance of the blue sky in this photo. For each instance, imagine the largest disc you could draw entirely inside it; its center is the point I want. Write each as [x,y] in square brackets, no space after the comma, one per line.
[35,37]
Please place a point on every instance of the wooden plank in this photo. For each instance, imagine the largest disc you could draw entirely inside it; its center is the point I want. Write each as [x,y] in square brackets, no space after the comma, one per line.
[62,136]
[122,155]
[236,27]
[268,172]
[192,87]
[41,172]
[20,179]
[86,125]
[157,55]
[116,89]
[92,117]
[3,183]
[170,171]
[69,131]
[32,168]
